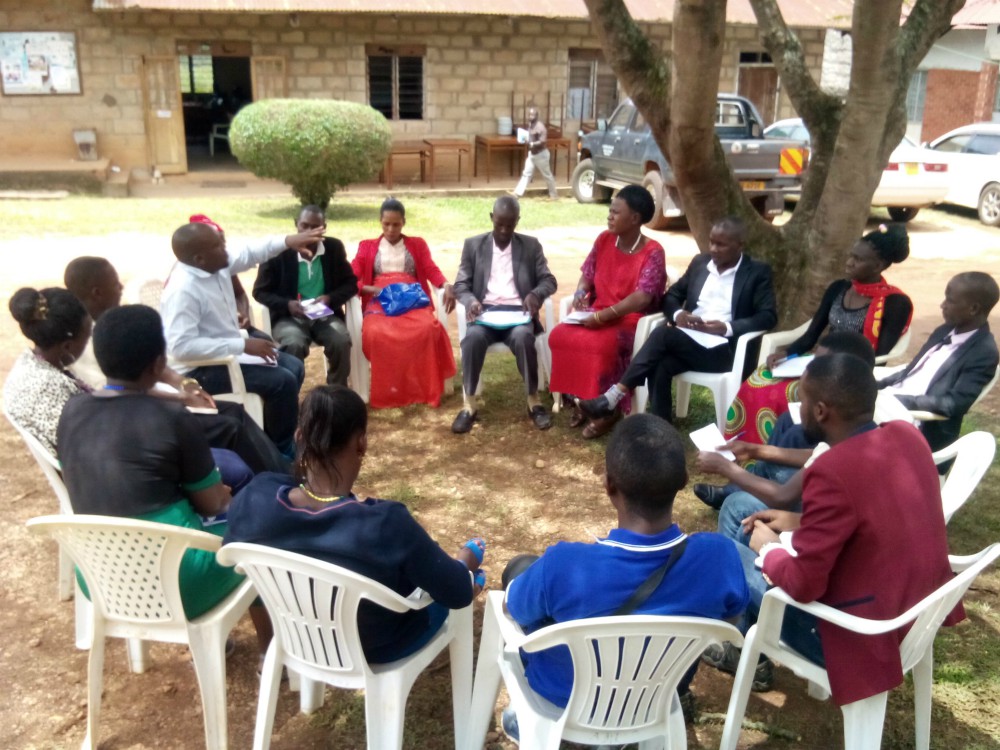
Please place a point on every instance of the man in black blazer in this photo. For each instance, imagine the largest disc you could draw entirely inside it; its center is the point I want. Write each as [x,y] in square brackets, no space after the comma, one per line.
[502,270]
[285,280]
[958,360]
[723,292]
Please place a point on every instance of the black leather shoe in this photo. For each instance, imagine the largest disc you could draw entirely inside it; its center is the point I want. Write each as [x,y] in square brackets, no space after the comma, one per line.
[541,417]
[463,422]
[595,408]
[710,494]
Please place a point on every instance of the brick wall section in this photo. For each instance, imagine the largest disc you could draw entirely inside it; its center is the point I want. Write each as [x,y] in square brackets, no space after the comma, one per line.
[473,65]
[957,97]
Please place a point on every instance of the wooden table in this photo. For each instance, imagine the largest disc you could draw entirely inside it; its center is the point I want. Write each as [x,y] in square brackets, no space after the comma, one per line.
[447,145]
[405,148]
[491,143]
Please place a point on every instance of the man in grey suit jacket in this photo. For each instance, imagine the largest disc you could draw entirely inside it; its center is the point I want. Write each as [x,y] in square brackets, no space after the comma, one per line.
[723,292]
[958,360]
[502,270]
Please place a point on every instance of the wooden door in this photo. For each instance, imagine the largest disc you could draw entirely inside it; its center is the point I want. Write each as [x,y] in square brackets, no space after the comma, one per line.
[268,78]
[164,112]
[759,84]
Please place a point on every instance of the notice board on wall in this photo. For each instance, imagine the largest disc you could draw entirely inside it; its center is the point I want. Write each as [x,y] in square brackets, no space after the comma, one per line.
[39,63]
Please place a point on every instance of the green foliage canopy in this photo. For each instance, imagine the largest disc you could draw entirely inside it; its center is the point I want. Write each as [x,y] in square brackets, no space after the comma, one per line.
[314,145]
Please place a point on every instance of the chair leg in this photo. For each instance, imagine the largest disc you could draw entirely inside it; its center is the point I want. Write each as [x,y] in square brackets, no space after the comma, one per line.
[460,653]
[385,707]
[270,682]
[66,576]
[683,398]
[208,652]
[311,694]
[676,737]
[95,680]
[741,691]
[137,651]
[83,614]
[923,679]
[487,682]
[863,722]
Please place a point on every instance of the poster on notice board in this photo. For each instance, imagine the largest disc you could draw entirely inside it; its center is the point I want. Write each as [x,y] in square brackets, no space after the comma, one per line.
[39,63]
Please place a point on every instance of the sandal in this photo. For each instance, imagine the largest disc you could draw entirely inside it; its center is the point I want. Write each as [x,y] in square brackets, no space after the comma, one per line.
[578,418]
[598,427]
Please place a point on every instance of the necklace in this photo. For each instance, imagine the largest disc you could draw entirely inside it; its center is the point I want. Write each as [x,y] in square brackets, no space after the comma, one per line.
[631,250]
[320,498]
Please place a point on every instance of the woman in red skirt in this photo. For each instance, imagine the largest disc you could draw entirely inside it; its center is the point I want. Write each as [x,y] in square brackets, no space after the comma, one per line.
[623,279]
[410,354]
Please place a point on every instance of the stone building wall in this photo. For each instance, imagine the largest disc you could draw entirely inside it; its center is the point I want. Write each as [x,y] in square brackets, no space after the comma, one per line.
[473,65]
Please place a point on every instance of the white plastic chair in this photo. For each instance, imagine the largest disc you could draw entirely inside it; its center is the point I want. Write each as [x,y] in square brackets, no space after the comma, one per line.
[863,719]
[131,570]
[220,132]
[541,343]
[313,606]
[973,454]
[361,376]
[724,385]
[625,669]
[149,294]
[773,341]
[929,416]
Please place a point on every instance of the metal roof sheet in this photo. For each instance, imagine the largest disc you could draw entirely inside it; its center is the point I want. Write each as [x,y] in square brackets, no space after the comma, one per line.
[978,13]
[798,13]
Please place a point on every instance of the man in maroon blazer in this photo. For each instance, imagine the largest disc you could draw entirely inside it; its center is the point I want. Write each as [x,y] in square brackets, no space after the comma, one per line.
[871,539]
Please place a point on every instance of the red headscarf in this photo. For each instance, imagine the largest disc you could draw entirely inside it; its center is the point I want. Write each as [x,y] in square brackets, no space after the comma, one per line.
[202,219]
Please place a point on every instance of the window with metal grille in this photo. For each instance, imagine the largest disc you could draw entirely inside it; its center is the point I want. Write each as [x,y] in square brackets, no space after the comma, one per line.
[396,80]
[593,87]
[196,74]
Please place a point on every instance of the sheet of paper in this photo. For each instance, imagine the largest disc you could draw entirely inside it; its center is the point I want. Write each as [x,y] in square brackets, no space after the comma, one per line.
[888,408]
[707,340]
[576,317]
[201,410]
[795,410]
[503,318]
[793,367]
[315,310]
[250,359]
[708,438]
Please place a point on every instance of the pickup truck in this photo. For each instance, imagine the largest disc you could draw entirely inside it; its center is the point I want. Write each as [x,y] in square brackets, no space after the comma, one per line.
[622,151]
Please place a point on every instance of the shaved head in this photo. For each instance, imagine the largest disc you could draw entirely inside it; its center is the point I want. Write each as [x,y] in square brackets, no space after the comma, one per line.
[190,239]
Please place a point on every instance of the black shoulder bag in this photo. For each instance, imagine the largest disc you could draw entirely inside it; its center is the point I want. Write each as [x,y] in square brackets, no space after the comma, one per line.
[647,587]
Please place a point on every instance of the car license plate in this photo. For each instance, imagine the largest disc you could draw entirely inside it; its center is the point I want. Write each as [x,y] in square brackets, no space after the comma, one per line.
[912,168]
[751,185]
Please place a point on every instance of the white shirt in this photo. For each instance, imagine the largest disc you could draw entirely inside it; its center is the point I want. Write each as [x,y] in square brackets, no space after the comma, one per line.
[392,257]
[920,377]
[715,302]
[500,289]
[199,308]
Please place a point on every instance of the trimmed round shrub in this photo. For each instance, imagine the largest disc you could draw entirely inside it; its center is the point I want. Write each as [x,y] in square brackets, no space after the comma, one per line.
[314,145]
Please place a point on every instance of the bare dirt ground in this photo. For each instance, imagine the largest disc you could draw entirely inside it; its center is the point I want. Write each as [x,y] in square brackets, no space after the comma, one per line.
[518,488]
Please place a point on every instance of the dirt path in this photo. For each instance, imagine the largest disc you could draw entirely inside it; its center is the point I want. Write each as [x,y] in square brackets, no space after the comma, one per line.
[506,495]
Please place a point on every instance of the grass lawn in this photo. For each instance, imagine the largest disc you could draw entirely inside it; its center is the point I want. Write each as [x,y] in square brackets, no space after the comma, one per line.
[520,489]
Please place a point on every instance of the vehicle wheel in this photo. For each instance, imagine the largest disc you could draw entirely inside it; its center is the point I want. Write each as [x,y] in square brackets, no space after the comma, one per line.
[989,205]
[653,182]
[902,213]
[582,182]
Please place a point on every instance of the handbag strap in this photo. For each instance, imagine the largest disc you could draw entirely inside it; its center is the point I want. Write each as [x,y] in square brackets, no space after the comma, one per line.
[647,587]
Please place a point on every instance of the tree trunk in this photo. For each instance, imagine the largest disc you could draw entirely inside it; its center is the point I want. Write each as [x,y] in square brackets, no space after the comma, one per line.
[851,140]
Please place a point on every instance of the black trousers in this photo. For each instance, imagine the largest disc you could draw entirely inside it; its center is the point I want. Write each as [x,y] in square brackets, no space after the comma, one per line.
[667,352]
[232,428]
[520,340]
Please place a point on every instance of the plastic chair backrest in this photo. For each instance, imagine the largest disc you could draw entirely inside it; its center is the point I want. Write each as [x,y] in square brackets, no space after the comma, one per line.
[626,669]
[934,608]
[314,606]
[130,567]
[47,463]
[150,292]
[973,455]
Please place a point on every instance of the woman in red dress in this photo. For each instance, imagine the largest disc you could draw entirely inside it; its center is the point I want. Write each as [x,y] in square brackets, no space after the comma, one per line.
[410,354]
[623,279]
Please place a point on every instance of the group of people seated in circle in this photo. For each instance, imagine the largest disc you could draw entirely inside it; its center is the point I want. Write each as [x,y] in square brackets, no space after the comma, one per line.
[138,434]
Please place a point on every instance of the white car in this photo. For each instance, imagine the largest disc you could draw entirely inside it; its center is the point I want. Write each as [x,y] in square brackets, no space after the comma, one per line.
[973,168]
[912,179]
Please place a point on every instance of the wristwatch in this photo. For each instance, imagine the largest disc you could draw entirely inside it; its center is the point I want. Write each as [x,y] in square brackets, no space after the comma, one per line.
[186,382]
